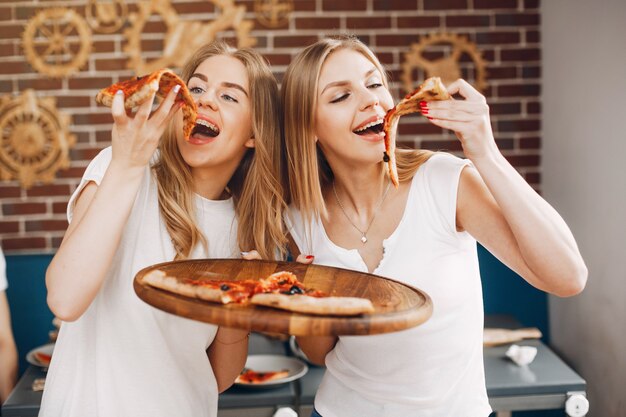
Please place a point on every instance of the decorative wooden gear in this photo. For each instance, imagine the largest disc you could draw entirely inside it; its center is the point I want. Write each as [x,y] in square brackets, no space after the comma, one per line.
[183,38]
[447,68]
[35,139]
[106,16]
[50,37]
[273,13]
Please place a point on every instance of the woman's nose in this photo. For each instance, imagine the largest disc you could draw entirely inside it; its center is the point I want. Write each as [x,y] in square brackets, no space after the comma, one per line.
[207,99]
[369,99]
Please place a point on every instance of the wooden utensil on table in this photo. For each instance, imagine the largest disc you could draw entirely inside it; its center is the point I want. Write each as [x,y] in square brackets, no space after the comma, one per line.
[495,337]
[396,306]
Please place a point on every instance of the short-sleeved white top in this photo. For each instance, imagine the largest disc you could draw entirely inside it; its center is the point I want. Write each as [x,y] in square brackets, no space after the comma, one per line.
[123,357]
[433,370]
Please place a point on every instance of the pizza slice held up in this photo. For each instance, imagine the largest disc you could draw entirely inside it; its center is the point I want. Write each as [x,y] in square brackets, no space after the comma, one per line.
[249,376]
[139,89]
[431,89]
[281,290]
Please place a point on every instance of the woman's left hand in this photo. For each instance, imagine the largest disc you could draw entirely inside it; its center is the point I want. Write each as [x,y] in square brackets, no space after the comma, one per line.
[469,119]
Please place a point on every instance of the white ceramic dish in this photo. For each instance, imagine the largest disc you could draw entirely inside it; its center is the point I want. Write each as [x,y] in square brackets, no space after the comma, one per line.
[271,363]
[31,357]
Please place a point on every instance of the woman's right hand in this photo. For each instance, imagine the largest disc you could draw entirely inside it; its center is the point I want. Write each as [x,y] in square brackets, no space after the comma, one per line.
[135,138]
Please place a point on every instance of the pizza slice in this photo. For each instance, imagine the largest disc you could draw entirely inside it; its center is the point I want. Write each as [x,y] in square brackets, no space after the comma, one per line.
[139,89]
[431,89]
[249,376]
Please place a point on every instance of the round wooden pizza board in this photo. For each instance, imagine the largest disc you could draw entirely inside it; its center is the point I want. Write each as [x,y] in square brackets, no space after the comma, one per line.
[397,306]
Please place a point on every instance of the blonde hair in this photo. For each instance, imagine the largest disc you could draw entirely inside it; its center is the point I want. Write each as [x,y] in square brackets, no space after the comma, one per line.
[255,184]
[307,167]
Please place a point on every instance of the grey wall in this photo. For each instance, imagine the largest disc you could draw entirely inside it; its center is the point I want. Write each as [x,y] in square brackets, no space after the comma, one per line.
[584,177]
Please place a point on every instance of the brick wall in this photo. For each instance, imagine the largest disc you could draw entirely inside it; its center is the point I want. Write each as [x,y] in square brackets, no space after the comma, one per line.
[506,33]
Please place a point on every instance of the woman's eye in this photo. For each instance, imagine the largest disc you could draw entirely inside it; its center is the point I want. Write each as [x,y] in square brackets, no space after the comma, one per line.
[229,98]
[375,85]
[340,98]
[196,90]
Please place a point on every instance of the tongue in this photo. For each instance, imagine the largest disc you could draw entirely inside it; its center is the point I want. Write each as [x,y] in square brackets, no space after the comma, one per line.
[204,131]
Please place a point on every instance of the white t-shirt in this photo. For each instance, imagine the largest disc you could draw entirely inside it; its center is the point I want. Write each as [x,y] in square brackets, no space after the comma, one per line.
[123,357]
[433,370]
[3,272]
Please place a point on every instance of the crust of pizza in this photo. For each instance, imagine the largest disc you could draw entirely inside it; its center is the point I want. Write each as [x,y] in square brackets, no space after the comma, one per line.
[139,89]
[159,279]
[432,89]
[323,306]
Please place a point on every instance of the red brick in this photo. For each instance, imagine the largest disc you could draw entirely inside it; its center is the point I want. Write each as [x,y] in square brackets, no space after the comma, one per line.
[40,83]
[6,13]
[111,64]
[505,143]
[318,23]
[531,72]
[445,4]
[495,4]
[46,225]
[92,119]
[533,36]
[467,20]
[26,12]
[531,4]
[9,227]
[294,41]
[84,154]
[417,128]
[6,86]
[397,40]
[49,190]
[10,191]
[505,108]
[10,209]
[519,90]
[522,54]
[155,27]
[498,38]
[533,107]
[419,22]
[394,5]
[89,83]
[7,49]
[524,160]
[532,177]
[336,5]
[152,45]
[75,172]
[17,67]
[195,7]
[59,208]
[278,59]
[103,46]
[82,137]
[23,243]
[526,19]
[11,31]
[368,22]
[56,242]
[73,101]
[501,72]
[524,125]
[103,136]
[530,143]
[304,5]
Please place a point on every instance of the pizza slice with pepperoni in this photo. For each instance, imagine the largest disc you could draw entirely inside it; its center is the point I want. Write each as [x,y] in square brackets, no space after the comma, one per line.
[139,89]
[431,89]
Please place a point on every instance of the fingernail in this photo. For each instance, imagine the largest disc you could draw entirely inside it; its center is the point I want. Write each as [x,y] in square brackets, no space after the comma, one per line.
[424,110]
[119,92]
[423,103]
[310,256]
[176,88]
[244,253]
[429,118]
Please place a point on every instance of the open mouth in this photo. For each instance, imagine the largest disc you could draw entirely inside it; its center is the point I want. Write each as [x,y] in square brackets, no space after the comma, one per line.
[372,127]
[205,128]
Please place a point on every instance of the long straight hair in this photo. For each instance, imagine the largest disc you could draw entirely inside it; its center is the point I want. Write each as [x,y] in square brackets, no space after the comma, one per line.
[308,170]
[255,185]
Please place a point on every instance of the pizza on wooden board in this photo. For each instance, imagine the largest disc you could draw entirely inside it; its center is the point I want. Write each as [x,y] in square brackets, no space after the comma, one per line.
[139,89]
[431,89]
[281,290]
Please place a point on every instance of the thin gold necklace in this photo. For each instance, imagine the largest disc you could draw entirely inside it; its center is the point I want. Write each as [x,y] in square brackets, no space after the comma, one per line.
[343,210]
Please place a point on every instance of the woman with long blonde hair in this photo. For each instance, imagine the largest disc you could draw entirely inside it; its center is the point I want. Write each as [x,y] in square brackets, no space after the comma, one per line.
[344,212]
[214,195]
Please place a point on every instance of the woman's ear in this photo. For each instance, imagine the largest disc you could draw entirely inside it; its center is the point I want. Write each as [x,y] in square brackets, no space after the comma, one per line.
[250,143]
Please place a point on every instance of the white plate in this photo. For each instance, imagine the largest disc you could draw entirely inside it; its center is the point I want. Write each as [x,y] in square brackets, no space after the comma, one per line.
[272,363]
[45,349]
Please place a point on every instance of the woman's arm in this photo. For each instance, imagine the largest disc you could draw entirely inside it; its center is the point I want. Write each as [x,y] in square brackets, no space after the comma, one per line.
[498,207]
[227,355]
[316,347]
[8,351]
[79,267]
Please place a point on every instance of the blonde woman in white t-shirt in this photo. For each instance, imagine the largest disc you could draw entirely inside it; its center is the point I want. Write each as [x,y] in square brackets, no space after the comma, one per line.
[343,212]
[154,197]
[8,350]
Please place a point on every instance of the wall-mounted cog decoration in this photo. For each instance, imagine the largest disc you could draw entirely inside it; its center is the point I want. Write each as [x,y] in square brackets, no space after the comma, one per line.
[35,139]
[448,67]
[106,16]
[183,38]
[57,42]
[273,13]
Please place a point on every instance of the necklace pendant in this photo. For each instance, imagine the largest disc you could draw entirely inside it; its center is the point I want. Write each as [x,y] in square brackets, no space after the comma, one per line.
[363,239]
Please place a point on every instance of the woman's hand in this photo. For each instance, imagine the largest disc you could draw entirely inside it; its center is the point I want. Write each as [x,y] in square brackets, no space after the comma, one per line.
[469,119]
[135,138]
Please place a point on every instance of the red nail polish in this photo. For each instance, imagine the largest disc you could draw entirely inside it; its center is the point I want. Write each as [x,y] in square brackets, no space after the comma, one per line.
[424,110]
[423,103]
[310,256]
[430,118]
